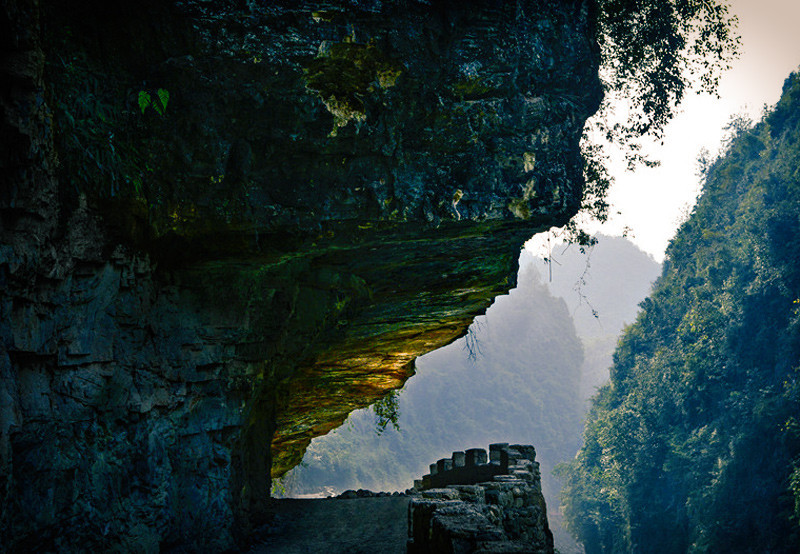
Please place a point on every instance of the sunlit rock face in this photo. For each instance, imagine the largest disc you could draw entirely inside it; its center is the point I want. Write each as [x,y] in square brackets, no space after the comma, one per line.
[190,293]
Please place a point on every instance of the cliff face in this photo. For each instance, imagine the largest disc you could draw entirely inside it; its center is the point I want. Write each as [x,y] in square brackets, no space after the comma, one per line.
[221,231]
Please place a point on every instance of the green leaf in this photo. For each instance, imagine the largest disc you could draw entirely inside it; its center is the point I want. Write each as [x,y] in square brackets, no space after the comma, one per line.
[144,100]
[163,95]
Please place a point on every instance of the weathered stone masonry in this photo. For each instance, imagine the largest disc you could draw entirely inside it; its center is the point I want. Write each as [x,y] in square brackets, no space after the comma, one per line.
[468,504]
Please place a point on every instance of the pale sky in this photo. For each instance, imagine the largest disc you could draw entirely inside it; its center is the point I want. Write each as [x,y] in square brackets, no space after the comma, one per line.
[652,201]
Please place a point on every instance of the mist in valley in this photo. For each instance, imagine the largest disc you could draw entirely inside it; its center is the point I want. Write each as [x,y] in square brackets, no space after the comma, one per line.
[523,374]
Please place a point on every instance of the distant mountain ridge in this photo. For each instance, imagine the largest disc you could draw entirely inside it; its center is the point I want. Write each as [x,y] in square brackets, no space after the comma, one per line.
[519,376]
[602,288]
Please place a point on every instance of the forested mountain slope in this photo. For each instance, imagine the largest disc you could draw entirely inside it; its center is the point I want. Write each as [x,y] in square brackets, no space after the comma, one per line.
[602,286]
[513,378]
[694,446]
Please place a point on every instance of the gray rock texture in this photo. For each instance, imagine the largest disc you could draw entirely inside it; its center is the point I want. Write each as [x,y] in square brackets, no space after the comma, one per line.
[504,514]
[335,526]
[191,290]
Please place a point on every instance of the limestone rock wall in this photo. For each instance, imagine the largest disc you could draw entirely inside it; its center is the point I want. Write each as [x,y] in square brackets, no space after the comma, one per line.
[188,295]
[469,504]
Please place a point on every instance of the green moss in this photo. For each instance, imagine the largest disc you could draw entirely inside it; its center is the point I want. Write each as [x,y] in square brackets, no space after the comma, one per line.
[471,88]
[345,73]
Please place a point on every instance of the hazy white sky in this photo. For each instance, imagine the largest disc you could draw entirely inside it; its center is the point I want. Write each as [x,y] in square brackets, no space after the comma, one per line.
[651,201]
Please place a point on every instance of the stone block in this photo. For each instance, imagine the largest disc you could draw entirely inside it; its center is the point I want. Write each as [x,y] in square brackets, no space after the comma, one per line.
[495,451]
[445,464]
[507,479]
[463,521]
[459,459]
[434,469]
[475,457]
[505,547]
[513,454]
[441,494]
[528,451]
[522,474]
[470,493]
[420,515]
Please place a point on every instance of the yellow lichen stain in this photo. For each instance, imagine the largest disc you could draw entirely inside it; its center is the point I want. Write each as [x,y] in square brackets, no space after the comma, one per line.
[344,73]
[457,196]
[342,114]
[520,207]
[471,88]
[387,78]
[528,161]
[320,16]
[183,213]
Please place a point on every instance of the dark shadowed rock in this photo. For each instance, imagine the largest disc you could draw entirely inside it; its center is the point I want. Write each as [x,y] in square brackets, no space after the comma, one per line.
[224,227]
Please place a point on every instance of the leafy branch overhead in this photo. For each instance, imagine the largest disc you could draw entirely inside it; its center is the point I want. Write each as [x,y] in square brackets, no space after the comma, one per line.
[652,53]
[387,411]
[158,101]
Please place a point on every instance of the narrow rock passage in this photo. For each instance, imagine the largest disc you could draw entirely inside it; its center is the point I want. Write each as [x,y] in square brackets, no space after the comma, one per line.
[337,526]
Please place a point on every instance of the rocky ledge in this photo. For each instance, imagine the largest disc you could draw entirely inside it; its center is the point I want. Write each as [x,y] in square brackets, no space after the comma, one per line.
[223,227]
[481,505]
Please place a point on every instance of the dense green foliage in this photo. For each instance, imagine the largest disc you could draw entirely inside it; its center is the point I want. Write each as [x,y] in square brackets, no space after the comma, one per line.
[653,49]
[693,445]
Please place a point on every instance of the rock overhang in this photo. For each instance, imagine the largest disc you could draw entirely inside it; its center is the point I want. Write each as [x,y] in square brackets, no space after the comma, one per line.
[310,237]
[377,132]
[293,118]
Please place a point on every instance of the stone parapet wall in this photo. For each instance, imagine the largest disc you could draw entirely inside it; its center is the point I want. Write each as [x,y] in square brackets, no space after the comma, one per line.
[497,507]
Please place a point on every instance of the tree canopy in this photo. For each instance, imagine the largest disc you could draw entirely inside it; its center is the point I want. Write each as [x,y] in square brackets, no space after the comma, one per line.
[652,52]
[694,445]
